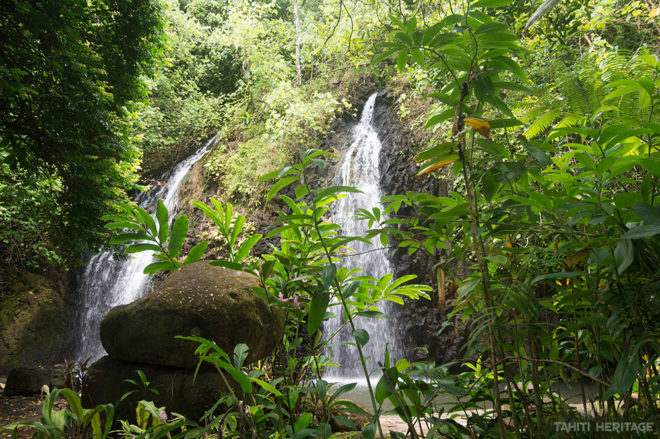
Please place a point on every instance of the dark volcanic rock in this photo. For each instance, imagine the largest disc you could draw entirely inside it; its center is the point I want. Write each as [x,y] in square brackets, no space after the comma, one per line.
[418,320]
[198,300]
[177,388]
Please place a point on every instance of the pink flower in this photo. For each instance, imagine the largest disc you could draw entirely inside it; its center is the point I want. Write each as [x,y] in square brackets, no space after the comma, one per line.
[163,417]
[295,302]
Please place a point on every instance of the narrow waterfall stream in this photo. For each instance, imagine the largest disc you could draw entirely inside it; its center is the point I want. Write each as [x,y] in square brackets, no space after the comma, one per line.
[107,282]
[360,168]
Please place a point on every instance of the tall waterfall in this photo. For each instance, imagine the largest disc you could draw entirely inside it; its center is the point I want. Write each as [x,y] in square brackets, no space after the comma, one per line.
[107,282]
[360,168]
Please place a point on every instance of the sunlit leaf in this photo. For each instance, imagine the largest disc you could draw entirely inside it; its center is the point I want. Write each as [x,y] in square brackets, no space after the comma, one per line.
[479,125]
[281,184]
[136,248]
[245,248]
[126,237]
[437,164]
[159,266]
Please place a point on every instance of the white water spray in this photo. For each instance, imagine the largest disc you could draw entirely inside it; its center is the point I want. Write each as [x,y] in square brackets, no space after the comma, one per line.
[360,168]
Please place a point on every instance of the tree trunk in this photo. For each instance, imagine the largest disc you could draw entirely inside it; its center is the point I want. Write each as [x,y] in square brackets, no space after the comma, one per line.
[298,40]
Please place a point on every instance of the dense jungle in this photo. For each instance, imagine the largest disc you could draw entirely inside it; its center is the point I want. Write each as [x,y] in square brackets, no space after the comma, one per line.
[330,218]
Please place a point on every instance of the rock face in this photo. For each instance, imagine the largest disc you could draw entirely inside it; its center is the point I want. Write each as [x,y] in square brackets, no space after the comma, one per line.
[200,300]
[33,320]
[418,321]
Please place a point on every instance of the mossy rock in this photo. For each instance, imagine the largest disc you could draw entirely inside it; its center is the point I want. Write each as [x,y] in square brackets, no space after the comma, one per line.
[197,300]
[33,322]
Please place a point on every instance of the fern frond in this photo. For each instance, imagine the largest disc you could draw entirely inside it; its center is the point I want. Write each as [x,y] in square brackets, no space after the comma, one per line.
[542,123]
[569,120]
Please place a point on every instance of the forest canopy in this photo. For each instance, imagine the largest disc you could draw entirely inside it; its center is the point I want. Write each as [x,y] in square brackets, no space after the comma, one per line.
[69,74]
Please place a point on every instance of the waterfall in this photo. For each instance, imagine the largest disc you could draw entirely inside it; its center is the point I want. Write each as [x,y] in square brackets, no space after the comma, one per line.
[107,282]
[360,168]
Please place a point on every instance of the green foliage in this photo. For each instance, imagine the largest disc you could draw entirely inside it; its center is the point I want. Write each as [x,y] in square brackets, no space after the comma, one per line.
[154,234]
[188,92]
[67,83]
[559,233]
[166,236]
[550,228]
[273,116]
[26,235]
[301,277]
[230,229]
[73,421]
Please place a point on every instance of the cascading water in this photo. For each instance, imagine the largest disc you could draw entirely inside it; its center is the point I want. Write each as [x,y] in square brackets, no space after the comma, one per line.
[107,282]
[360,168]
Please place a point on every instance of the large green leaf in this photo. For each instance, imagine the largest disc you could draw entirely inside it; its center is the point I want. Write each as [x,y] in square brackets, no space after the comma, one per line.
[237,375]
[238,227]
[125,225]
[624,254]
[178,236]
[334,190]
[196,253]
[136,248]
[147,220]
[645,231]
[281,184]
[159,266]
[386,383]
[126,237]
[402,60]
[361,336]
[245,248]
[350,289]
[266,386]
[626,372]
[650,215]
[163,217]
[328,275]
[317,308]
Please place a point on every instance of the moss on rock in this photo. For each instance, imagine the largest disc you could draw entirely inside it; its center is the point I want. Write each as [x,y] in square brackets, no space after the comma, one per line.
[199,300]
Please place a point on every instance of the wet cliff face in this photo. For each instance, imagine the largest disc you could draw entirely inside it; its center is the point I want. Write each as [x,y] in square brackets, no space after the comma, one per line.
[419,321]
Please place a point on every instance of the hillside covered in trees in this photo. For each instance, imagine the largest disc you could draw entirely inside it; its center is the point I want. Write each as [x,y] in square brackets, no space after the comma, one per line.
[519,210]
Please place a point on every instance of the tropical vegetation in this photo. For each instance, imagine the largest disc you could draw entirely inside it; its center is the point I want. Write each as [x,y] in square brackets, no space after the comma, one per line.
[543,119]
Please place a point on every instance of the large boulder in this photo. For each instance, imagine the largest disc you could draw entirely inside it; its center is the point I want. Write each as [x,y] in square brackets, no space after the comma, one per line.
[199,300]
[27,381]
[178,389]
